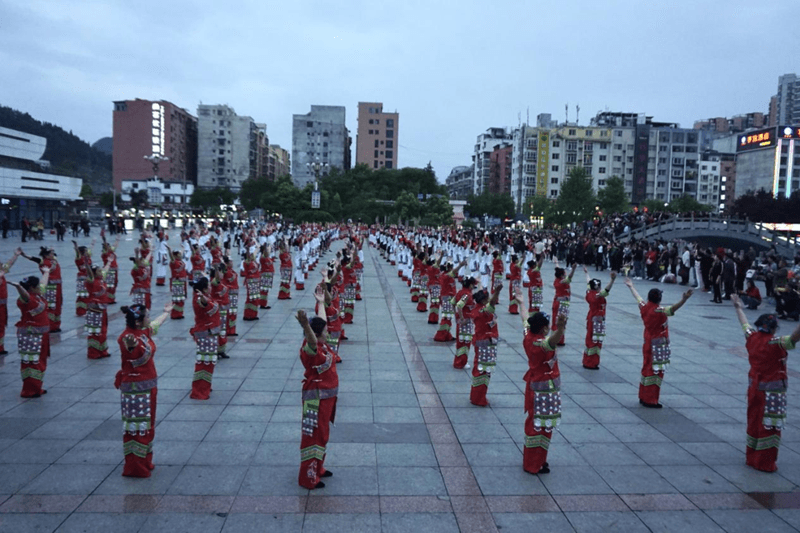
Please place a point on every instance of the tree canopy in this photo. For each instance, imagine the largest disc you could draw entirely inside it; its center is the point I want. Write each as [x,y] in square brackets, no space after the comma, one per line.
[761,206]
[211,199]
[497,205]
[576,202]
[612,198]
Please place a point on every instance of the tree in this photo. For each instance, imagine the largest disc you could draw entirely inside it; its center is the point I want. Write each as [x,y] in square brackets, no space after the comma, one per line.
[407,206]
[612,198]
[212,199]
[437,211]
[537,206]
[576,201]
[107,199]
[86,191]
[139,199]
[687,203]
[252,190]
[492,204]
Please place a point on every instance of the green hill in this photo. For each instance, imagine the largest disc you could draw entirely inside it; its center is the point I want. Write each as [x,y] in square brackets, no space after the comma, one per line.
[67,153]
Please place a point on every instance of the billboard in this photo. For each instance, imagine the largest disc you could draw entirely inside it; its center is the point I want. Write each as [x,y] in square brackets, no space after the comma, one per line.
[543,164]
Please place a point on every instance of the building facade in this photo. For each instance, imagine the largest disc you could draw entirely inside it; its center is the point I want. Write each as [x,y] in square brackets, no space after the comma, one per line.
[280,163]
[768,159]
[142,128]
[377,136]
[460,182]
[319,136]
[25,190]
[227,147]
[482,156]
[160,193]
[500,169]
[787,100]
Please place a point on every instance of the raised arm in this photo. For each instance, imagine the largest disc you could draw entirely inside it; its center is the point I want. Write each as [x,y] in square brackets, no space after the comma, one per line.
[686,295]
[496,295]
[561,326]
[8,264]
[611,283]
[737,305]
[588,279]
[160,319]
[629,284]
[572,272]
[523,313]
[311,339]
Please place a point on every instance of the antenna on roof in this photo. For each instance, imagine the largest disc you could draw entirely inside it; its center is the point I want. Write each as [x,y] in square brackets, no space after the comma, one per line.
[578,114]
[566,113]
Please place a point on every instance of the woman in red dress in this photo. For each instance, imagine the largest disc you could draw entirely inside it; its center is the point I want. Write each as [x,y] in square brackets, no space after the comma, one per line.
[267,275]
[97,313]
[542,387]
[498,269]
[33,334]
[141,274]
[349,282]
[535,285]
[83,260]
[766,394]
[137,382]
[465,328]
[219,293]
[320,388]
[206,334]
[252,283]
[561,301]
[285,290]
[485,342]
[434,290]
[655,350]
[177,284]
[109,257]
[52,292]
[595,320]
[198,263]
[448,282]
[515,282]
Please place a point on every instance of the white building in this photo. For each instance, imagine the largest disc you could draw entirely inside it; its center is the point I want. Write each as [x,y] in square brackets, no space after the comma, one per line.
[25,191]
[167,194]
[226,147]
[482,153]
[319,136]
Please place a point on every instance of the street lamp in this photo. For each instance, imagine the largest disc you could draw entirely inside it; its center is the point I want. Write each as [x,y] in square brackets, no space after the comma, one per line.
[316,167]
[155,160]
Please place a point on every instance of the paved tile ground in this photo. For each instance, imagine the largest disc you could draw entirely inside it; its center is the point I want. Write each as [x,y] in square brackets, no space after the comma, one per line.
[409,452]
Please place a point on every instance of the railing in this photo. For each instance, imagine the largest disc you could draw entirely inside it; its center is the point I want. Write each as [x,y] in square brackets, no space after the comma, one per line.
[752,231]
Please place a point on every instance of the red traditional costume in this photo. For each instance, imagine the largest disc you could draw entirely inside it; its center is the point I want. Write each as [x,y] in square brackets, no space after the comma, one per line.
[595,327]
[267,273]
[33,338]
[252,282]
[231,279]
[97,318]
[435,293]
[448,284]
[206,334]
[177,286]
[465,327]
[542,400]
[561,302]
[514,284]
[485,360]
[655,350]
[285,290]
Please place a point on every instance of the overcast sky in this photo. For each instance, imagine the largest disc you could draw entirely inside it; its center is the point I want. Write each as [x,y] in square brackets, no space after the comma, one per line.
[451,68]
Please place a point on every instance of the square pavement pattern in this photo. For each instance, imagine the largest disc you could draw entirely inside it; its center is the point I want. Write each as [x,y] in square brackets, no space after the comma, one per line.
[409,452]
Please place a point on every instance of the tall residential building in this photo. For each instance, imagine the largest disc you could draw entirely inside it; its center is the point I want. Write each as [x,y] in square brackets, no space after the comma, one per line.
[500,169]
[787,101]
[262,152]
[142,128]
[482,156]
[735,124]
[227,147]
[460,182]
[279,162]
[319,136]
[377,136]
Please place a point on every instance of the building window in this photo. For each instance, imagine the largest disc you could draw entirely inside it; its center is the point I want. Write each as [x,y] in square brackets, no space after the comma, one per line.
[554,180]
[388,164]
[602,170]
[389,134]
[389,144]
[309,124]
[377,121]
[617,147]
[572,145]
[589,133]
[376,153]
[603,157]
[571,132]
[370,132]
[390,123]
[376,143]
[617,133]
[389,154]
[555,156]
[374,164]
[554,168]
[370,121]
[556,144]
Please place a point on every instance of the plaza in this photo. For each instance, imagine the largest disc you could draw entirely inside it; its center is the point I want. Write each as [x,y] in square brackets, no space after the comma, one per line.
[408,451]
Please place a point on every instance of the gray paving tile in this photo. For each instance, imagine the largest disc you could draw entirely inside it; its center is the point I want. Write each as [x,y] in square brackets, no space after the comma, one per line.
[405,455]
[634,479]
[508,481]
[694,479]
[342,523]
[600,522]
[31,523]
[267,523]
[668,521]
[159,482]
[271,481]
[419,522]
[410,481]
[208,480]
[526,522]
[574,480]
[184,522]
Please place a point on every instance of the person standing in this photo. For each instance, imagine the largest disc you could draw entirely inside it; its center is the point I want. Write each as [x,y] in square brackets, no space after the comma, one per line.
[96,313]
[285,258]
[542,387]
[766,394]
[162,259]
[563,294]
[253,285]
[595,320]
[515,282]
[715,276]
[6,225]
[177,284]
[109,257]
[434,290]
[535,285]
[231,280]
[219,293]
[198,263]
[465,328]
[655,350]
[448,283]
[320,389]
[4,269]
[52,293]
[485,341]
[498,268]
[137,382]
[141,278]
[267,275]
[83,260]
[33,333]
[206,336]
[349,283]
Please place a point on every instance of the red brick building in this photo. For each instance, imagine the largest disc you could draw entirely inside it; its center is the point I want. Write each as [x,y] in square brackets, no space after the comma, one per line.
[500,169]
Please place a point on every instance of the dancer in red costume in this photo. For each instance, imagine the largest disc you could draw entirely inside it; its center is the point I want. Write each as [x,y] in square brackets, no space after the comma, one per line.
[252,282]
[219,293]
[231,280]
[563,292]
[137,382]
[141,275]
[320,389]
[206,334]
[434,290]
[97,313]
[542,387]
[83,260]
[515,282]
[535,285]
[285,290]
[178,275]
[485,342]
[109,257]
[595,320]
[465,328]
[766,394]
[448,297]
[267,274]
[52,293]
[198,263]
[33,333]
[655,350]
[498,269]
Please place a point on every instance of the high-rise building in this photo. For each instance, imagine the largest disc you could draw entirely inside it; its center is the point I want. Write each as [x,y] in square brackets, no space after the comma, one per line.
[142,128]
[735,124]
[227,147]
[460,182]
[482,156]
[279,162]
[319,136]
[500,169]
[377,136]
[788,100]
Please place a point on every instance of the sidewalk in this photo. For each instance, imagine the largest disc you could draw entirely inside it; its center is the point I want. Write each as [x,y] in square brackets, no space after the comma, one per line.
[408,450]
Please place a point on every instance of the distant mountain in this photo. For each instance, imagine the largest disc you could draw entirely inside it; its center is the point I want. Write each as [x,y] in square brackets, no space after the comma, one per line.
[105,145]
[67,153]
